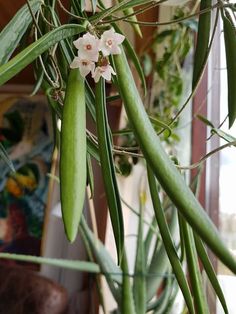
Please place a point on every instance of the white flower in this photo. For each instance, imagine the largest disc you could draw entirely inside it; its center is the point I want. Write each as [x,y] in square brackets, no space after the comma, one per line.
[110,41]
[88,47]
[104,71]
[85,66]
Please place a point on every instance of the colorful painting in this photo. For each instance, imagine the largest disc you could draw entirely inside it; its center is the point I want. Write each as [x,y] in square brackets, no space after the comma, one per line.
[25,132]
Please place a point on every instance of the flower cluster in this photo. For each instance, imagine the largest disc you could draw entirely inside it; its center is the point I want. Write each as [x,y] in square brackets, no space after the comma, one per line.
[93,54]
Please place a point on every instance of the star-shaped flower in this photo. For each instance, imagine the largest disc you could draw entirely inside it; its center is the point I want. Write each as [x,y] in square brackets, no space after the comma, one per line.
[104,71]
[85,66]
[110,41]
[88,47]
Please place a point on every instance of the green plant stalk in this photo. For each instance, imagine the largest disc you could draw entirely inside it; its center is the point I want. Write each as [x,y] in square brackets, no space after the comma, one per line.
[127,301]
[168,242]
[108,169]
[73,154]
[163,168]
[198,292]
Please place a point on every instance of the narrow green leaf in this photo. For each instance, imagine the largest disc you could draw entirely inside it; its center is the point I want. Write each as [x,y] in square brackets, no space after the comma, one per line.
[168,242]
[12,33]
[29,54]
[202,253]
[108,267]
[39,80]
[134,3]
[149,237]
[112,98]
[198,292]
[99,287]
[159,264]
[139,282]
[230,50]
[101,254]
[63,263]
[203,35]
[108,170]
[165,294]
[90,101]
[168,301]
[225,136]
[90,177]
[123,5]
[93,149]
[205,120]
[127,301]
[156,272]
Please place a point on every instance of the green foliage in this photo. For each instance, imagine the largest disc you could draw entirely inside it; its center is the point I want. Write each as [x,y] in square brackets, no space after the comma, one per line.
[51,53]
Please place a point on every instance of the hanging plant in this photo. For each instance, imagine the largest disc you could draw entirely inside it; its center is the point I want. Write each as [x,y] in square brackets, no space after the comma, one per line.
[68,60]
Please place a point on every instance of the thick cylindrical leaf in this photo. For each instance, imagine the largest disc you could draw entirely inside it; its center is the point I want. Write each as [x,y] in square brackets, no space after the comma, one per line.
[163,168]
[73,154]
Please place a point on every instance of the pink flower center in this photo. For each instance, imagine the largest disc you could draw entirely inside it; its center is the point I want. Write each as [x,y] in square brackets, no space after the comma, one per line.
[84,63]
[109,42]
[88,47]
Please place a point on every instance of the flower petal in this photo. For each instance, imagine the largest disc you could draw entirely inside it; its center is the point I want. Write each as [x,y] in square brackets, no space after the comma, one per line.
[119,38]
[96,74]
[77,42]
[75,63]
[105,50]
[87,47]
[84,70]
[115,50]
